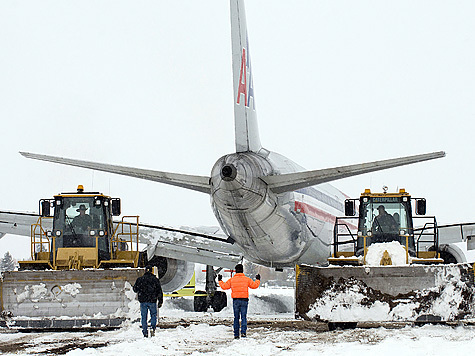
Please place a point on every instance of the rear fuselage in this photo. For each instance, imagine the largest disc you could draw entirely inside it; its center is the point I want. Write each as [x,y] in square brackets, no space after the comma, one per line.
[277,230]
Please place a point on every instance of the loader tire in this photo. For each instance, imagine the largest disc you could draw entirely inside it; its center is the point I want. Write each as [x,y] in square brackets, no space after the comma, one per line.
[219,301]
[200,303]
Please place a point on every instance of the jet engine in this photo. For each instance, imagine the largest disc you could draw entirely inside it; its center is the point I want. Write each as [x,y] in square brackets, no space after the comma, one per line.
[251,215]
[174,274]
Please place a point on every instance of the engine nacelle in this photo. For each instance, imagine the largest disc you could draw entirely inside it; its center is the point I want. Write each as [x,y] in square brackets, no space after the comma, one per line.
[174,274]
[235,178]
[456,253]
[249,212]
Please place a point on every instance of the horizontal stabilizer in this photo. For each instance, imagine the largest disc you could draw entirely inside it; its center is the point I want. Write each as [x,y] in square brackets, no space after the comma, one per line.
[198,183]
[294,181]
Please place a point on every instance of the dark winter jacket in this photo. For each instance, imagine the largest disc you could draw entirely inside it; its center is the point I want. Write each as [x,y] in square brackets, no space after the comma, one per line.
[149,289]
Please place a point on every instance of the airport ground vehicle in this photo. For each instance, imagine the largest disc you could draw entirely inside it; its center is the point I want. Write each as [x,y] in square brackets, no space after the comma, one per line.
[83,266]
[387,265]
[83,234]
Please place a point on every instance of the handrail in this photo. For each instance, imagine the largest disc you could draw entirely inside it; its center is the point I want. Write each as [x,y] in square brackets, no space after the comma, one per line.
[337,234]
[116,238]
[41,235]
[429,229]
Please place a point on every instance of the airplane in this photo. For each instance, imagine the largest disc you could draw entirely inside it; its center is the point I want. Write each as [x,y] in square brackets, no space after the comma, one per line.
[275,211]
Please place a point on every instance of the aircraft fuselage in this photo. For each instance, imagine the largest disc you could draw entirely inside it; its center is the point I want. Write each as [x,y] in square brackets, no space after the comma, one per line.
[276,230]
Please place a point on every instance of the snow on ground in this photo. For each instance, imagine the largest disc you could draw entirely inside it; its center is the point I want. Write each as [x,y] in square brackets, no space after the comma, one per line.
[190,333]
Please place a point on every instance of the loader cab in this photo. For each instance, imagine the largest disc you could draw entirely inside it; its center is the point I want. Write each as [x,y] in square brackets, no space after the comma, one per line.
[83,220]
[377,218]
[80,233]
[385,217]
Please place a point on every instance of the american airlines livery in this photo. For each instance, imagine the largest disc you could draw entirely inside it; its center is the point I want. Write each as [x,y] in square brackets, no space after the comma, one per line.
[277,213]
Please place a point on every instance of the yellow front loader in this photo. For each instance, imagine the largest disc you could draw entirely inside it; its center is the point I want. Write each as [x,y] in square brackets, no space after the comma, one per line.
[386,266]
[82,266]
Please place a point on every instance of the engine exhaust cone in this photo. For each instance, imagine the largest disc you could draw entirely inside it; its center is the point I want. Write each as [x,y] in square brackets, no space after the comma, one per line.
[228,172]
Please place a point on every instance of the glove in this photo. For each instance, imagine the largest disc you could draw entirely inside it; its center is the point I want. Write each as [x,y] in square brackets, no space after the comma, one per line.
[220,277]
[258,277]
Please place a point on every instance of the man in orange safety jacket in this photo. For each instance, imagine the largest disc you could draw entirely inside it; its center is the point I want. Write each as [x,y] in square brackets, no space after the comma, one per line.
[240,285]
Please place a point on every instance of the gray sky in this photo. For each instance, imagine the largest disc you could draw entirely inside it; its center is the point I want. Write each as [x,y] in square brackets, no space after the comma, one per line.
[149,84]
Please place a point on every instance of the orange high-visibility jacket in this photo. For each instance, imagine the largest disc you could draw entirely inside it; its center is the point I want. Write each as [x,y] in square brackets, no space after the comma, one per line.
[239,285]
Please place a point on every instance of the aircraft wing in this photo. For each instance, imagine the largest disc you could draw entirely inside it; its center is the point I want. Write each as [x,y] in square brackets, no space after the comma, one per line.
[193,246]
[294,181]
[190,246]
[17,223]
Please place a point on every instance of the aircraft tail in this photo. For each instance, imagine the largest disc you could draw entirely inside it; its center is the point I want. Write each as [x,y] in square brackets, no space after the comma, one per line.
[245,119]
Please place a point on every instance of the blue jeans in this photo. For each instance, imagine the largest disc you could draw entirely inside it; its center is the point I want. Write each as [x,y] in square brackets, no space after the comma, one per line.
[240,310]
[144,308]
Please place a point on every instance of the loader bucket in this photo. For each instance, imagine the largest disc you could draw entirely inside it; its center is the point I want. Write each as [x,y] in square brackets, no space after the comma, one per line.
[67,299]
[385,293]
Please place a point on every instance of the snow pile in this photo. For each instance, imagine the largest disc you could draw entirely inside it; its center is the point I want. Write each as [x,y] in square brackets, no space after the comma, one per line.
[37,292]
[455,297]
[71,289]
[354,301]
[33,293]
[151,237]
[262,301]
[133,305]
[349,302]
[396,251]
[271,302]
[450,297]
[132,311]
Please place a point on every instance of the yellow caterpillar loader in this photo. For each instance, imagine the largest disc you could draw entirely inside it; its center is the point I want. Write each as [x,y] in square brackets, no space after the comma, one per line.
[386,265]
[81,269]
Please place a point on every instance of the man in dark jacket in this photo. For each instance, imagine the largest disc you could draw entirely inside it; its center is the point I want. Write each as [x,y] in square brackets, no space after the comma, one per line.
[384,222]
[149,291]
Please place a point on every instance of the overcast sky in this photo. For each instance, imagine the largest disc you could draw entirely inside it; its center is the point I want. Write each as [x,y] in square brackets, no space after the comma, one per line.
[149,84]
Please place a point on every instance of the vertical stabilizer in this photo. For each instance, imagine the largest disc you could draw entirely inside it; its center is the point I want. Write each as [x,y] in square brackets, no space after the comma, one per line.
[245,120]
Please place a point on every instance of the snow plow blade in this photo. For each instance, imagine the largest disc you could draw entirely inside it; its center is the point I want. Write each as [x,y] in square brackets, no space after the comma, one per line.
[414,293]
[68,299]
